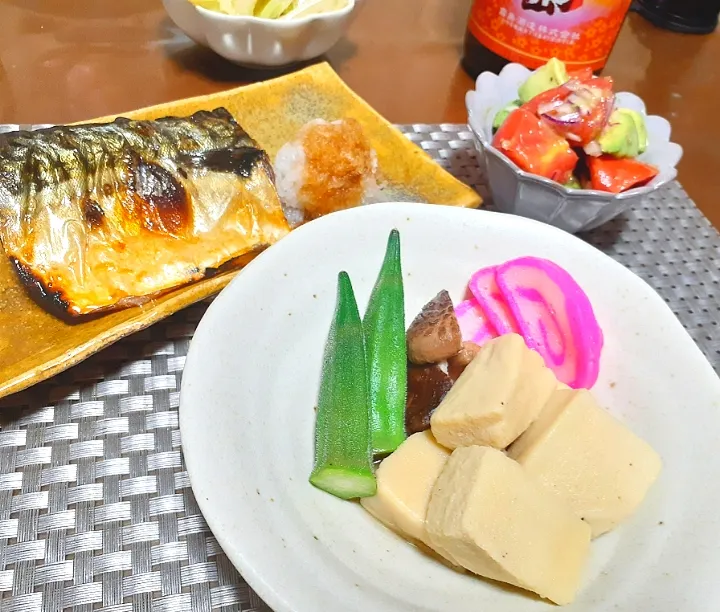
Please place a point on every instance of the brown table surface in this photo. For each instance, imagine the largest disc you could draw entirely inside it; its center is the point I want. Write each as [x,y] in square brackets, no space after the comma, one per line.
[69,60]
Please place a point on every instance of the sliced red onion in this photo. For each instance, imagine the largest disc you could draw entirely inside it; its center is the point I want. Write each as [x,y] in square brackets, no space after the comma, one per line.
[566,108]
[548,106]
[565,121]
[583,103]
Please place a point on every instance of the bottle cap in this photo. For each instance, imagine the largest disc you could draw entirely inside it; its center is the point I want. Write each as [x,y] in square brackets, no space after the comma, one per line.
[662,17]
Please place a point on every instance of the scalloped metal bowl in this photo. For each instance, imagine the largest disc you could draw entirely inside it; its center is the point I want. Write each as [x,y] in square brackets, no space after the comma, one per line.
[521,193]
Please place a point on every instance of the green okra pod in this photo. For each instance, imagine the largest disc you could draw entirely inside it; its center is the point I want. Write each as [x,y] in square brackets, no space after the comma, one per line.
[386,348]
[343,456]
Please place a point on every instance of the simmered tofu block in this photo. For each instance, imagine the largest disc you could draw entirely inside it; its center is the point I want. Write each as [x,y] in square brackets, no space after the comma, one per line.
[488,516]
[404,482]
[581,452]
[496,397]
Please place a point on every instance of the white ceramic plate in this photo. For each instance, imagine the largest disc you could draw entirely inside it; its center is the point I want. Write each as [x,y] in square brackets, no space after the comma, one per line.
[250,384]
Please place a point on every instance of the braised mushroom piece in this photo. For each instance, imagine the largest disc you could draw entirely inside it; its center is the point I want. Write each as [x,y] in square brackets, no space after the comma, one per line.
[426,388]
[458,363]
[434,335]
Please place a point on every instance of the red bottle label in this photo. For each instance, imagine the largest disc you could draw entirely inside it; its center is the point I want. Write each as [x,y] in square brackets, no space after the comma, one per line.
[581,33]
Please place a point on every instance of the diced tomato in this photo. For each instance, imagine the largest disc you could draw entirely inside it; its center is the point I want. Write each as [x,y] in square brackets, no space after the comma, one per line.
[581,74]
[577,110]
[605,83]
[551,96]
[616,175]
[535,147]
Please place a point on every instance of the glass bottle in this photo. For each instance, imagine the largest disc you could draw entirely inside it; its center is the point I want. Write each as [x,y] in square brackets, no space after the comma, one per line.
[579,32]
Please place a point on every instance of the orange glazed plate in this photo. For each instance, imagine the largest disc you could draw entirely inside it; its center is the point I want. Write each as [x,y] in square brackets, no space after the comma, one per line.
[35,345]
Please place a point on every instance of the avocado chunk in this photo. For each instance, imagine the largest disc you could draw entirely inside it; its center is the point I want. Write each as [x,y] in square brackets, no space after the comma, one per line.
[551,75]
[573,183]
[624,135]
[503,113]
[639,122]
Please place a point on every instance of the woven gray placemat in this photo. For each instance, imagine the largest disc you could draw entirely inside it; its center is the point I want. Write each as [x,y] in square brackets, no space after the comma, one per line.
[96,511]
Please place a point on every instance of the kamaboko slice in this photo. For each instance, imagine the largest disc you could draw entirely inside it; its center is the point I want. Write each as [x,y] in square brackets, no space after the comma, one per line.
[555,318]
[474,324]
[485,290]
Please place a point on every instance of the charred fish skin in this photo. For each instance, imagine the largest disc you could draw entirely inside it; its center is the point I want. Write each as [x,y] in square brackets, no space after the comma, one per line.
[53,302]
[98,216]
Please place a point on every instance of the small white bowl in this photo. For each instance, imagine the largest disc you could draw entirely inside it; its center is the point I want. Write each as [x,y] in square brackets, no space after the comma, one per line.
[256,42]
[521,193]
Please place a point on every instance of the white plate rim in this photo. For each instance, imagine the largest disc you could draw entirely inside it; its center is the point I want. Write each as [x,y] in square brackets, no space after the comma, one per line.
[256,580]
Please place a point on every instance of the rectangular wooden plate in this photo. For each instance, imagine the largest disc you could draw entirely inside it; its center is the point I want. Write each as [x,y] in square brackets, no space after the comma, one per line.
[34,345]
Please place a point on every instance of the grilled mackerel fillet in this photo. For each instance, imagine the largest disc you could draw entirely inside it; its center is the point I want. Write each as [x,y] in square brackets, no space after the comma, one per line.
[103,216]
